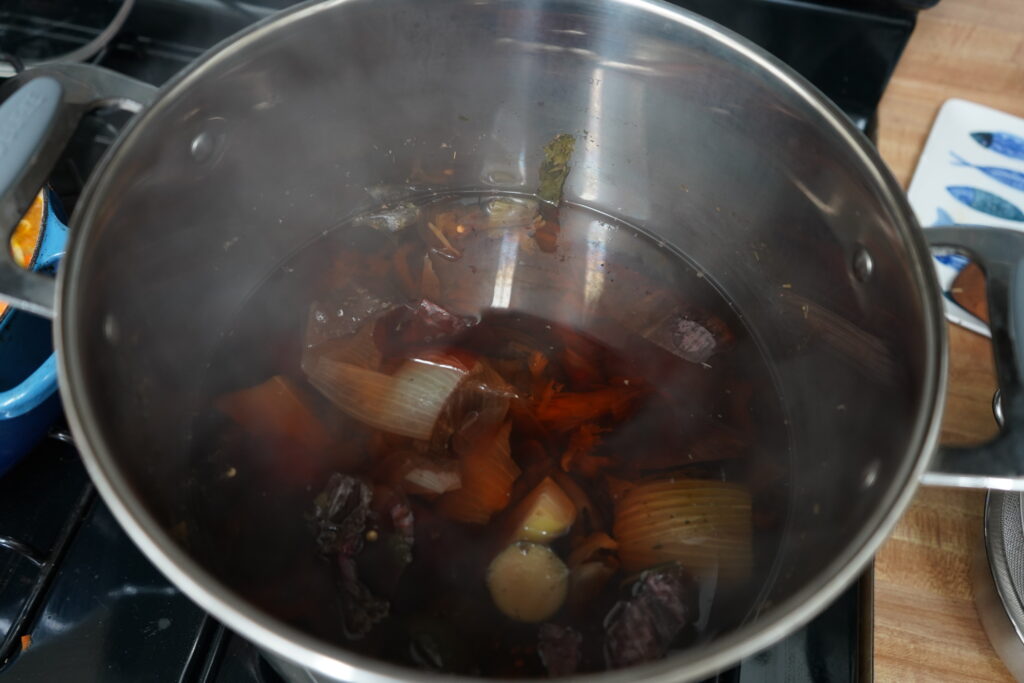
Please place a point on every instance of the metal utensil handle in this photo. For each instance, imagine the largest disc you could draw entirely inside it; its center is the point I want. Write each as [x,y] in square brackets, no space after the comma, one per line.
[39,111]
[998,464]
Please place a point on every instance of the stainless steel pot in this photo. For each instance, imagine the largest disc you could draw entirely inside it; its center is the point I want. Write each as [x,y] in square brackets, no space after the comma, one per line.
[685,130]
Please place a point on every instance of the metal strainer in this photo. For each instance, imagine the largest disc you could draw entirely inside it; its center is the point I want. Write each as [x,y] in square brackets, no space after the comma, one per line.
[999,578]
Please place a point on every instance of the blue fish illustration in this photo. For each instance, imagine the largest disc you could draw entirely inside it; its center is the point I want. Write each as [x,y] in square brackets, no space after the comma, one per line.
[957,261]
[1007,144]
[1006,176]
[986,202]
[942,218]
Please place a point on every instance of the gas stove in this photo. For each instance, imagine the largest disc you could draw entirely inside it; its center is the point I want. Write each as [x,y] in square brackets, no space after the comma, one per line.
[78,601]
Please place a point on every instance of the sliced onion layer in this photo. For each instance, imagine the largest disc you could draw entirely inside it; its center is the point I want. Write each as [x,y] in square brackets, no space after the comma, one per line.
[703,525]
[407,403]
[488,473]
[432,478]
[418,474]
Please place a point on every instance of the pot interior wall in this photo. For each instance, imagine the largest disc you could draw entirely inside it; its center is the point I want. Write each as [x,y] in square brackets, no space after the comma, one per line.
[285,134]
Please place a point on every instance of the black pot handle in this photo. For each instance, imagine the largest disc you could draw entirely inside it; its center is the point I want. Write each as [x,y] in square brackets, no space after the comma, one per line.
[39,111]
[998,464]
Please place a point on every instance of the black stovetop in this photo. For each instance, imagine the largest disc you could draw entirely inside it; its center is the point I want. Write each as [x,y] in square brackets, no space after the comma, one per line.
[78,601]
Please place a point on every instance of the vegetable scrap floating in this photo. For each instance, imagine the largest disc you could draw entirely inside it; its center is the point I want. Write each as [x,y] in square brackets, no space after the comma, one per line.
[340,519]
[528,582]
[642,628]
[555,167]
[703,525]
[529,498]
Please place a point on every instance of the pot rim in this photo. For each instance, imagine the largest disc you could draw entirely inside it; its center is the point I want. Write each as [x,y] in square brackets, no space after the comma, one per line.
[338,662]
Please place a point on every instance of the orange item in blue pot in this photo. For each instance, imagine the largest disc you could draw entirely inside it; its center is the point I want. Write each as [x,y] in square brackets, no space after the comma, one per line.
[26,238]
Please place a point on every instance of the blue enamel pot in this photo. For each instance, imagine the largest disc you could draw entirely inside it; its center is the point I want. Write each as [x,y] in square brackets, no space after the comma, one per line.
[29,401]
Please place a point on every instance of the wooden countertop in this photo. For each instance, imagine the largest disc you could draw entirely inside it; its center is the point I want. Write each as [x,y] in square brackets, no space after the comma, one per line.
[926,626]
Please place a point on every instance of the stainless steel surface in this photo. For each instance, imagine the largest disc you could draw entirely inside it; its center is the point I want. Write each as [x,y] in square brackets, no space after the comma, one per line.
[862,264]
[997,408]
[79,89]
[998,578]
[998,464]
[683,130]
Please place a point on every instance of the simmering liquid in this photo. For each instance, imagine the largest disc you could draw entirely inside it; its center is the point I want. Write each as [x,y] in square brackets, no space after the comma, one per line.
[482,435]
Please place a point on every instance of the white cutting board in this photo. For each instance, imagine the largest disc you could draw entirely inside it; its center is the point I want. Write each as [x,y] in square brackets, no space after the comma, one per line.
[971,172]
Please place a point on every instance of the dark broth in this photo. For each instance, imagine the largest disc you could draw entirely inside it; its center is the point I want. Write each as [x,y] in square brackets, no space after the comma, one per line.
[563,309]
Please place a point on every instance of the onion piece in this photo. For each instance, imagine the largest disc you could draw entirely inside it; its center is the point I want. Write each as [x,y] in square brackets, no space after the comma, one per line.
[528,582]
[544,515]
[417,474]
[407,403]
[426,479]
[276,410]
[704,525]
[488,473]
[478,408]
